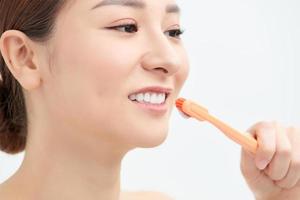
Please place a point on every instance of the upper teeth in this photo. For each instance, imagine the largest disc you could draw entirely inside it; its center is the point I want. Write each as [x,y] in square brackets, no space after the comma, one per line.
[154,98]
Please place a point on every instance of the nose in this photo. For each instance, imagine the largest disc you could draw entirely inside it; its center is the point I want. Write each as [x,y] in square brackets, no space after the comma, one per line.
[161,56]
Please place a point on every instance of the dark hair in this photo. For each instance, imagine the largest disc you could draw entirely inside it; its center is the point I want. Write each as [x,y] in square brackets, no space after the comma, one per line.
[35,18]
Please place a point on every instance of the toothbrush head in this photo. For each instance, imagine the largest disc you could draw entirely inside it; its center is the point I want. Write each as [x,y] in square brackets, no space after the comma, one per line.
[179,105]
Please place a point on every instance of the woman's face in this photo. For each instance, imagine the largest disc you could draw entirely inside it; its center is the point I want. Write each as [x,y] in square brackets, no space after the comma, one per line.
[95,63]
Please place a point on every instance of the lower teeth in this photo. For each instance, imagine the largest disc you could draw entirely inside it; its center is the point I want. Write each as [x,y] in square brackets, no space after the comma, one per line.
[148,102]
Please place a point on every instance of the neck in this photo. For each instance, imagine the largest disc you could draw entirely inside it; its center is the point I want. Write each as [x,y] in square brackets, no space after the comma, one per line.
[55,170]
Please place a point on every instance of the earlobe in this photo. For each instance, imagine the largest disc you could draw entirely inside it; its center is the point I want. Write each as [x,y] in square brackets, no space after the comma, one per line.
[18,54]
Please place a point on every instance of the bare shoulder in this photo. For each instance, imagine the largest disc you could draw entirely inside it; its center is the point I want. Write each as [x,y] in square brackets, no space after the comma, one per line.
[144,195]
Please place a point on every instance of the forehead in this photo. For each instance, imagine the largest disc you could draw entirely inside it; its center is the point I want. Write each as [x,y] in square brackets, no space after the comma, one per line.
[77,13]
[88,5]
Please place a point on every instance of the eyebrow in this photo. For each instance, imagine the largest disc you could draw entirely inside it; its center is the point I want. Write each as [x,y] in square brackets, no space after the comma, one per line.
[171,8]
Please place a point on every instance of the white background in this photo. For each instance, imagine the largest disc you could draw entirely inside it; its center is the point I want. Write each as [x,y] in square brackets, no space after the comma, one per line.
[245,67]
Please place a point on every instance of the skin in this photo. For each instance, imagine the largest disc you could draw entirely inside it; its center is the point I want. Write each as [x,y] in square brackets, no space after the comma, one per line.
[76,85]
[273,172]
[75,151]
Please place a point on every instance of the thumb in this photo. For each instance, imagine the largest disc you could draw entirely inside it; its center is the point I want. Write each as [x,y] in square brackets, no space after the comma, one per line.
[247,164]
[255,177]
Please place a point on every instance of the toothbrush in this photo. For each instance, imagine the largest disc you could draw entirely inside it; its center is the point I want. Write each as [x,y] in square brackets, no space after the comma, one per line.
[191,109]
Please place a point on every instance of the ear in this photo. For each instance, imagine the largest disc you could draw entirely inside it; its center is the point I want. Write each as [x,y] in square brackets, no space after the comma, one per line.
[18,54]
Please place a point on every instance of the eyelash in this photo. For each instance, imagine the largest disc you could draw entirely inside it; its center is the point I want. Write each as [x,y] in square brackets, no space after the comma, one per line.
[177,32]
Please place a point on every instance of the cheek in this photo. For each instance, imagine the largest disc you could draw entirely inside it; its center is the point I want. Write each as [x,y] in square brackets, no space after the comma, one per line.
[183,72]
[91,77]
[102,62]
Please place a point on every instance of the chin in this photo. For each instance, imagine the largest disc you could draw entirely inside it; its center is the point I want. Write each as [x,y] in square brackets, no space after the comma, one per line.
[151,140]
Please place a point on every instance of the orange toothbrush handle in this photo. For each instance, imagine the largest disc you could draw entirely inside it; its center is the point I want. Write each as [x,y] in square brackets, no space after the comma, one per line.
[202,114]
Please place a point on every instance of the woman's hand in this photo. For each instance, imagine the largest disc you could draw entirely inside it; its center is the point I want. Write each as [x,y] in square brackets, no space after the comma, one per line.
[273,173]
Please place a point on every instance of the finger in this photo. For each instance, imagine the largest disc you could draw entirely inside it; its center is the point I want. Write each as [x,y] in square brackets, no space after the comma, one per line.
[279,166]
[265,134]
[247,164]
[293,175]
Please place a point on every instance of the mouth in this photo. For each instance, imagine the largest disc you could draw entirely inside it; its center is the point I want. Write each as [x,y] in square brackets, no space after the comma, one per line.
[151,95]
[151,98]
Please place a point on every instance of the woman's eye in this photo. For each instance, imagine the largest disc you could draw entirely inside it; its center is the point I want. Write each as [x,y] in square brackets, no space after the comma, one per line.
[176,33]
[129,28]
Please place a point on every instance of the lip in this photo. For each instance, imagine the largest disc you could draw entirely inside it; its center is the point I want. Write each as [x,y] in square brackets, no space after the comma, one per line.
[157,89]
[159,109]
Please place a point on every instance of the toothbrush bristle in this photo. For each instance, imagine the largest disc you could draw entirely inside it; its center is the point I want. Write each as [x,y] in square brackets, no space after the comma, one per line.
[179,103]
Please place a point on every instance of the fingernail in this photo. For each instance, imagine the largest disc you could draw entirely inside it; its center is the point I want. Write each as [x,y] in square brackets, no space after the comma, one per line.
[261,164]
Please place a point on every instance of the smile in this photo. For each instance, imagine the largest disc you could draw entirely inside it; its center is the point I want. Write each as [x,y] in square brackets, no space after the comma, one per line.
[149,98]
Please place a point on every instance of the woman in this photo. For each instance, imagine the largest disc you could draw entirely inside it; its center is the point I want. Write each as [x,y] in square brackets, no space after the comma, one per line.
[86,81]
